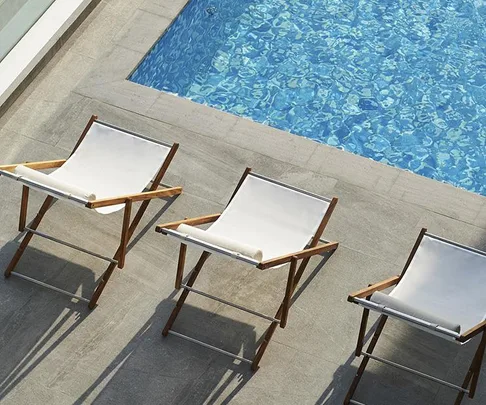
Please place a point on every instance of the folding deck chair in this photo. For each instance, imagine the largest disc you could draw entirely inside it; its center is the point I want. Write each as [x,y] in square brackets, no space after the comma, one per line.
[266,224]
[108,170]
[441,290]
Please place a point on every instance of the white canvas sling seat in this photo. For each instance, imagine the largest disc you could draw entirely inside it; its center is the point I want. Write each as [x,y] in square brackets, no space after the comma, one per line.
[109,169]
[441,291]
[267,224]
[265,216]
[109,162]
[390,302]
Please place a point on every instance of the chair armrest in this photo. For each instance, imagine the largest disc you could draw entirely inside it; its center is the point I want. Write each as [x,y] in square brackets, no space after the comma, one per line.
[189,221]
[298,255]
[469,334]
[47,164]
[145,195]
[366,292]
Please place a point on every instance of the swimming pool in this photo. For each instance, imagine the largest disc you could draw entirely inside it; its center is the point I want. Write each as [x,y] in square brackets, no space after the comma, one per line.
[401,82]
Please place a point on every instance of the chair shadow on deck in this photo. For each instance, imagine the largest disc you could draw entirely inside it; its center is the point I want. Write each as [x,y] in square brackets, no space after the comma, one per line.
[34,321]
[153,369]
[382,384]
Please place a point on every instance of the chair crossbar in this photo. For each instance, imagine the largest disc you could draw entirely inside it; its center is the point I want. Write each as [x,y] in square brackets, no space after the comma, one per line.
[459,245]
[352,401]
[231,304]
[50,287]
[297,189]
[210,247]
[147,138]
[208,346]
[416,372]
[49,190]
[408,318]
[71,245]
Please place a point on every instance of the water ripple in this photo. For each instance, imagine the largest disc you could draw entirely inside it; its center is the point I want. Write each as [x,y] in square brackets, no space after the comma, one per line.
[401,82]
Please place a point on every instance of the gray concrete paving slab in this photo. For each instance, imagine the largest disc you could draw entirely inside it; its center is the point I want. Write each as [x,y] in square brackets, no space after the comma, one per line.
[54,350]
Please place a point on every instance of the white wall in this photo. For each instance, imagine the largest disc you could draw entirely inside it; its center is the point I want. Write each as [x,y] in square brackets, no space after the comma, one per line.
[35,44]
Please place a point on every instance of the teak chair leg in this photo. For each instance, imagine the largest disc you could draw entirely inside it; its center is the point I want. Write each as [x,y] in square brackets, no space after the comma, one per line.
[180,266]
[124,234]
[107,274]
[120,253]
[263,347]
[467,380]
[185,293]
[101,285]
[28,236]
[23,208]
[477,369]
[473,372]
[271,330]
[362,331]
[364,362]
[288,293]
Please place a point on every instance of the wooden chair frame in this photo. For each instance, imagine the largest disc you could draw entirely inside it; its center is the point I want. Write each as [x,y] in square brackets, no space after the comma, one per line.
[470,382]
[128,226]
[295,274]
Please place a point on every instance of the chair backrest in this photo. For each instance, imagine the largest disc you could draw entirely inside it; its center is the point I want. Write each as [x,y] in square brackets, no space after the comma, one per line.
[113,162]
[448,280]
[276,218]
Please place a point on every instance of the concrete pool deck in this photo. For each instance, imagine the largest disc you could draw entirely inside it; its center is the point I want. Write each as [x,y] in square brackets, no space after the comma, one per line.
[56,351]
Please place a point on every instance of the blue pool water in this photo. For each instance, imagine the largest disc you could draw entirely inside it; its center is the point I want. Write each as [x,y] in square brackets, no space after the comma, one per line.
[400,81]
